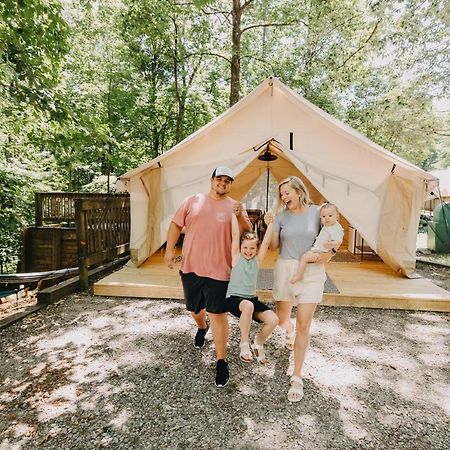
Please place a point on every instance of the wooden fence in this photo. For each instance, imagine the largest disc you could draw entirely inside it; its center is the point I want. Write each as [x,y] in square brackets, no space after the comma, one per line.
[98,232]
[58,208]
[103,231]
[48,248]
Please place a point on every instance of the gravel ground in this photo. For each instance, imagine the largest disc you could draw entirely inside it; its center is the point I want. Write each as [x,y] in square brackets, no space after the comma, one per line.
[96,372]
[438,274]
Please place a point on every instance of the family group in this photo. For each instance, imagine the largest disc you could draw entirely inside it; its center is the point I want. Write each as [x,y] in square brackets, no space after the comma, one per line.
[221,257]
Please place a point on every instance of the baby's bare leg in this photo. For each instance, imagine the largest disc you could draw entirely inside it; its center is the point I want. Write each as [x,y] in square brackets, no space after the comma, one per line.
[308,257]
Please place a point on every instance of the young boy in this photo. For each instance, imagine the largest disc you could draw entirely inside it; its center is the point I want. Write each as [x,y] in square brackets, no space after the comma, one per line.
[330,234]
[241,297]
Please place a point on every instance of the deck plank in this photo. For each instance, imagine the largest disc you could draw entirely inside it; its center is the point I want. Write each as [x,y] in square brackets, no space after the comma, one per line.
[368,284]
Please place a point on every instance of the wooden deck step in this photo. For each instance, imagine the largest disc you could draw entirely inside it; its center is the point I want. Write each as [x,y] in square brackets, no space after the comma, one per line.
[364,284]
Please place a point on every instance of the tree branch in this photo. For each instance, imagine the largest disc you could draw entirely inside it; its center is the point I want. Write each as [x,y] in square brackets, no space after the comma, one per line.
[189,55]
[213,12]
[275,24]
[360,47]
[260,60]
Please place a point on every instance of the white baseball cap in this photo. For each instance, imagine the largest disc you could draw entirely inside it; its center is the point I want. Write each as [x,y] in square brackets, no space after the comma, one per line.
[223,171]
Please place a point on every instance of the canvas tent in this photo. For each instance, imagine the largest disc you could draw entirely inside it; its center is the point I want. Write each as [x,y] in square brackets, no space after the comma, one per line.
[380,194]
[443,192]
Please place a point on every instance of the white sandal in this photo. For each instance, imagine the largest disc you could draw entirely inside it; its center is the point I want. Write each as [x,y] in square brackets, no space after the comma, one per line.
[295,393]
[246,354]
[258,349]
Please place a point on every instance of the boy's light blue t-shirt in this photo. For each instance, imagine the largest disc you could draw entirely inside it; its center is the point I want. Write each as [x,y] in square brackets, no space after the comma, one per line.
[297,231]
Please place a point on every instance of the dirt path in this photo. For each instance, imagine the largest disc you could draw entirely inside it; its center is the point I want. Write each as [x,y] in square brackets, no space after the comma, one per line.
[115,373]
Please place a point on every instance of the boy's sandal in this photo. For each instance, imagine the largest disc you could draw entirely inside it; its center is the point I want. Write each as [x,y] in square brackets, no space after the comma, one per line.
[289,340]
[258,349]
[295,393]
[246,354]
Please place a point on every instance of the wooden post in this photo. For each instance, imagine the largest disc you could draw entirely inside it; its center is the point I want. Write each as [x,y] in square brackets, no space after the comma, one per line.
[80,221]
[38,209]
[24,261]
[56,246]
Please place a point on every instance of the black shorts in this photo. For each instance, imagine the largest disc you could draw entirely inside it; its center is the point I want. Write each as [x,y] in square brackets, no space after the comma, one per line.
[203,292]
[233,303]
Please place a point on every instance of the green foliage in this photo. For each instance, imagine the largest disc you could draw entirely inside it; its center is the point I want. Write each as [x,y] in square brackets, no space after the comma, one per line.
[109,85]
[33,40]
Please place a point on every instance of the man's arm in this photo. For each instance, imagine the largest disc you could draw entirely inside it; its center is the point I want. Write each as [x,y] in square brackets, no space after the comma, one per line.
[172,238]
[235,239]
[242,217]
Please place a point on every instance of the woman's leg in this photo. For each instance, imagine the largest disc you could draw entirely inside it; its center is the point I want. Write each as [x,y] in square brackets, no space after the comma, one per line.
[284,311]
[305,314]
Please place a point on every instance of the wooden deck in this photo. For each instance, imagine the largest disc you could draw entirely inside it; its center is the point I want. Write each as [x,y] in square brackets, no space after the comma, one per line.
[364,284]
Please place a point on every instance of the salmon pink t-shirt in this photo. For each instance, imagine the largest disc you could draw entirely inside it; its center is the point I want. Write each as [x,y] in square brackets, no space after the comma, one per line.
[207,242]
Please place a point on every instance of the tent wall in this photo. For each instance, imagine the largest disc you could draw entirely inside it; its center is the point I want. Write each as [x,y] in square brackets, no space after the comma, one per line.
[139,206]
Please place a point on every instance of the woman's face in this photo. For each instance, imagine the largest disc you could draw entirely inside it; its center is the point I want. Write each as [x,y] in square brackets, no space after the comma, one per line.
[289,196]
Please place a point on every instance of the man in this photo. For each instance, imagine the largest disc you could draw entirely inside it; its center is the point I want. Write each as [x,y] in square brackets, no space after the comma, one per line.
[206,259]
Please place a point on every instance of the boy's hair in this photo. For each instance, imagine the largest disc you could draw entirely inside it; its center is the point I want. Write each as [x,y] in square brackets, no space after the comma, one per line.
[329,205]
[250,236]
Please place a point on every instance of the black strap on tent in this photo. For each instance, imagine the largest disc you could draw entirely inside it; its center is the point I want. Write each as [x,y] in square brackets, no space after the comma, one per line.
[393,168]
[255,149]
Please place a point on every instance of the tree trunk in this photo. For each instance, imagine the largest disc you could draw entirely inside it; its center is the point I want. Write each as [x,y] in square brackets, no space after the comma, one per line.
[236,53]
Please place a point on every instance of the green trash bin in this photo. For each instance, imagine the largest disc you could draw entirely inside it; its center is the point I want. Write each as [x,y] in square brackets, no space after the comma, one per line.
[438,236]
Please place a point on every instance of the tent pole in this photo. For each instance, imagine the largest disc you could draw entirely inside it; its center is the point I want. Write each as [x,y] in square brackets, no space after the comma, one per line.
[267,189]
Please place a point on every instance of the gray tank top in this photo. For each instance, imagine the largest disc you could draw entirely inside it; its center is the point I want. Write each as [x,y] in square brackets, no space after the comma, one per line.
[243,278]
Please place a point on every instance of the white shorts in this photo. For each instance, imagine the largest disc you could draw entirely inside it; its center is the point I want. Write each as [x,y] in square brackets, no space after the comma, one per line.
[308,290]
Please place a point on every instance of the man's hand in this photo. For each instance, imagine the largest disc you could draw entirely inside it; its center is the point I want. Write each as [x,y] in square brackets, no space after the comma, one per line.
[237,209]
[169,258]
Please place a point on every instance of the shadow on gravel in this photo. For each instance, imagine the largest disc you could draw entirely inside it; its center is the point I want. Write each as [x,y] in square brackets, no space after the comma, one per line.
[93,373]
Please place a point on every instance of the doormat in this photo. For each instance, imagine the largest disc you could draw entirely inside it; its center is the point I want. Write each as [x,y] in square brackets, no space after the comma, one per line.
[265,282]
[345,256]
[349,257]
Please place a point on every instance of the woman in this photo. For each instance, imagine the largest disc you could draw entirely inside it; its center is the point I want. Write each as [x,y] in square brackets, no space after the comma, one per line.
[294,232]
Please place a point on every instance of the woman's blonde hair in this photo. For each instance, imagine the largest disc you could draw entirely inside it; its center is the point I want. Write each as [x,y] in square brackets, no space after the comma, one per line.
[297,184]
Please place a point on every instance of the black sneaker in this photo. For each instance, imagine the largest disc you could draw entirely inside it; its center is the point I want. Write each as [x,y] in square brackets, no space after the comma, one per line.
[222,374]
[199,340]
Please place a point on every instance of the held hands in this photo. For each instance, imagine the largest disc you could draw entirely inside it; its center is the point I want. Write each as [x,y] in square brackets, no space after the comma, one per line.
[268,218]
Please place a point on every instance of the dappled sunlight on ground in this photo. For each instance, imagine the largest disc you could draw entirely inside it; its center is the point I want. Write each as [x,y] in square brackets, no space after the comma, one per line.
[105,371]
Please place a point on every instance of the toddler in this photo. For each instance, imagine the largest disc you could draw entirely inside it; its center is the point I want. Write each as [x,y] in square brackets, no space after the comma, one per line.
[329,238]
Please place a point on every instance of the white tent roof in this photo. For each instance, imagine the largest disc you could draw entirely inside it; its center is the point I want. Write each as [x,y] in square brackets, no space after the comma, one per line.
[378,192]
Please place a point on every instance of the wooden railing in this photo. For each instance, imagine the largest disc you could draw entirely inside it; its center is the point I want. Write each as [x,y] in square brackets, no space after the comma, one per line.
[58,208]
[103,231]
